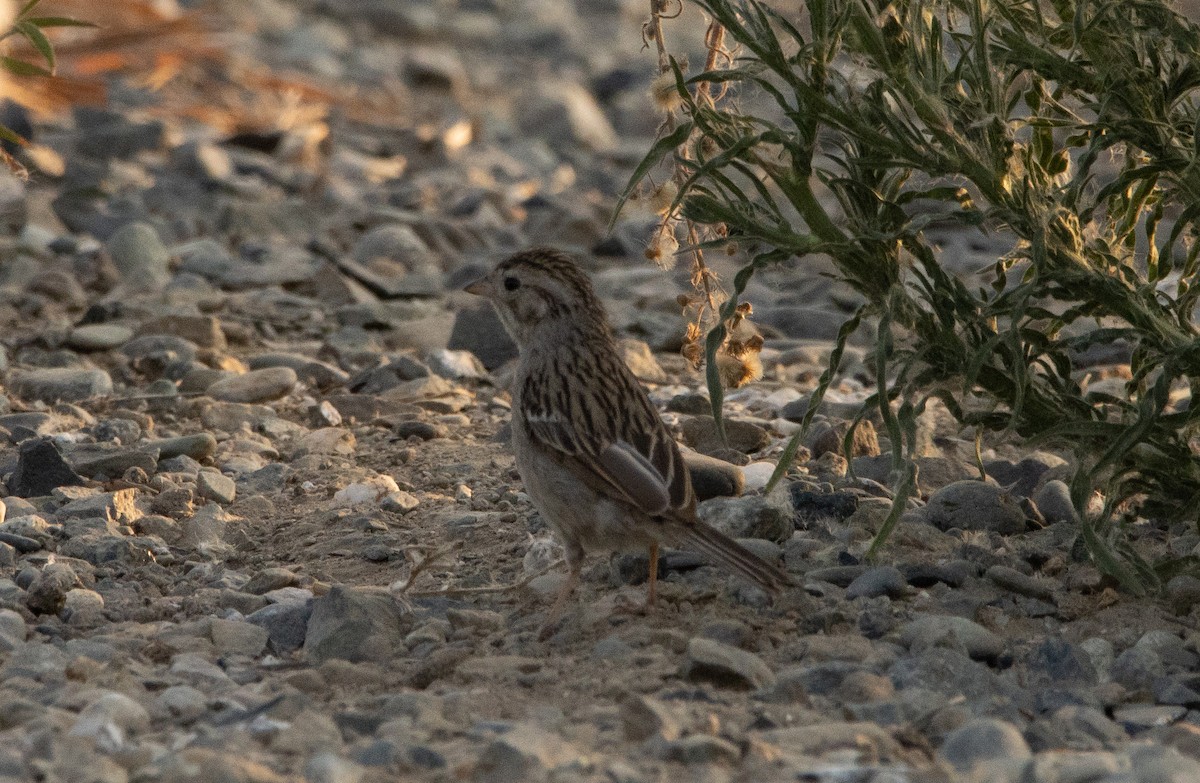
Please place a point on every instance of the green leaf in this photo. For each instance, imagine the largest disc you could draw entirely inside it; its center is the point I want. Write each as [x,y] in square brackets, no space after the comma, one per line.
[663,147]
[22,68]
[29,6]
[11,136]
[58,21]
[39,41]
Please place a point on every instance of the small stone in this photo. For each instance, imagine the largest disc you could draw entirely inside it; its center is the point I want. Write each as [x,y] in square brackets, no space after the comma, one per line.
[140,256]
[644,718]
[713,477]
[702,749]
[183,702]
[1137,668]
[233,637]
[215,486]
[725,665]
[286,624]
[1183,593]
[414,428]
[882,580]
[691,404]
[983,740]
[12,630]
[202,330]
[523,753]
[255,386]
[754,516]
[700,432]
[641,362]
[328,767]
[926,630]
[329,440]
[109,719]
[98,337]
[479,330]
[371,490]
[865,442]
[354,625]
[399,502]
[199,447]
[456,365]
[318,374]
[61,384]
[48,592]
[974,505]
[1015,581]
[1139,717]
[119,506]
[1054,501]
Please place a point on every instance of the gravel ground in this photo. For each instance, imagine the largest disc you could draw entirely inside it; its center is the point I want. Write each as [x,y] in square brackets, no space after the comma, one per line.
[260,518]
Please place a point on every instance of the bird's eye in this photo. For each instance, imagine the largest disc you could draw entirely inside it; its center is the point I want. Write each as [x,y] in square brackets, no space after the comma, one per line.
[511,284]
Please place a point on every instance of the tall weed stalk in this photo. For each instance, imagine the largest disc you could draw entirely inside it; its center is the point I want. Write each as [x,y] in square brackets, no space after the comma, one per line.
[1072,126]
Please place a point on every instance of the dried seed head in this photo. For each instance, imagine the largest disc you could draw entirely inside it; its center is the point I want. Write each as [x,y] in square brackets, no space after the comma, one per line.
[737,371]
[683,300]
[665,92]
[663,196]
[662,248]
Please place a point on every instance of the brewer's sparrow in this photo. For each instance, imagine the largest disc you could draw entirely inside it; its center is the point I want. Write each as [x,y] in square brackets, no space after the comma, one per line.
[596,459]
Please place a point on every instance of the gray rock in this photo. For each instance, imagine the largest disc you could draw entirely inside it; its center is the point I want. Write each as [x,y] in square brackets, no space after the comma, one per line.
[983,740]
[203,331]
[1137,668]
[805,323]
[234,637]
[48,592]
[881,580]
[700,432]
[1022,478]
[393,242]
[61,384]
[522,753]
[1054,501]
[1153,763]
[1015,581]
[12,630]
[183,702]
[318,374]
[119,506]
[701,749]
[750,517]
[479,330]
[286,624]
[1183,593]
[255,386]
[726,666]
[326,767]
[1137,718]
[927,630]
[644,718]
[456,365]
[566,114]
[712,477]
[98,337]
[40,470]
[974,505]
[198,447]
[215,486]
[140,256]
[354,625]
[110,719]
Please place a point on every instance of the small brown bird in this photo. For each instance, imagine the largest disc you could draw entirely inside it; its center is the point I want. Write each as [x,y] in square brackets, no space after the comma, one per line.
[594,454]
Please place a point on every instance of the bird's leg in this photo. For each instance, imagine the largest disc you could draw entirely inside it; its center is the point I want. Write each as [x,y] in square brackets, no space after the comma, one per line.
[651,591]
[574,565]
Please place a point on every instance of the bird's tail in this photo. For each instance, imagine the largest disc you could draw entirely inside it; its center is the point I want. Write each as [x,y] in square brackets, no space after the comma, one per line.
[722,550]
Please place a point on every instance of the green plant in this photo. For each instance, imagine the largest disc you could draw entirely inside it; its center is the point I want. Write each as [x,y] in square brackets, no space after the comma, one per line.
[1072,125]
[32,28]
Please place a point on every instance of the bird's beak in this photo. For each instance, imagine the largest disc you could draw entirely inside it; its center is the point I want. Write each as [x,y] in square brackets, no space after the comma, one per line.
[481,287]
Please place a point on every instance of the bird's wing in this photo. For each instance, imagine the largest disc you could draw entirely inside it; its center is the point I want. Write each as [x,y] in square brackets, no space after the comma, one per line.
[625,452]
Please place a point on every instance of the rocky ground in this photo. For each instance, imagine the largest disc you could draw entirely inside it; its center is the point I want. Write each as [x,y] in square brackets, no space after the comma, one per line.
[262,523]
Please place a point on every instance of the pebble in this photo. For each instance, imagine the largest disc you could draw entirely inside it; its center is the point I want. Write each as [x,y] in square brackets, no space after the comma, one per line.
[726,666]
[712,477]
[983,740]
[263,385]
[61,384]
[882,580]
[99,337]
[354,625]
[974,505]
[750,517]
[700,432]
[980,643]
[140,256]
